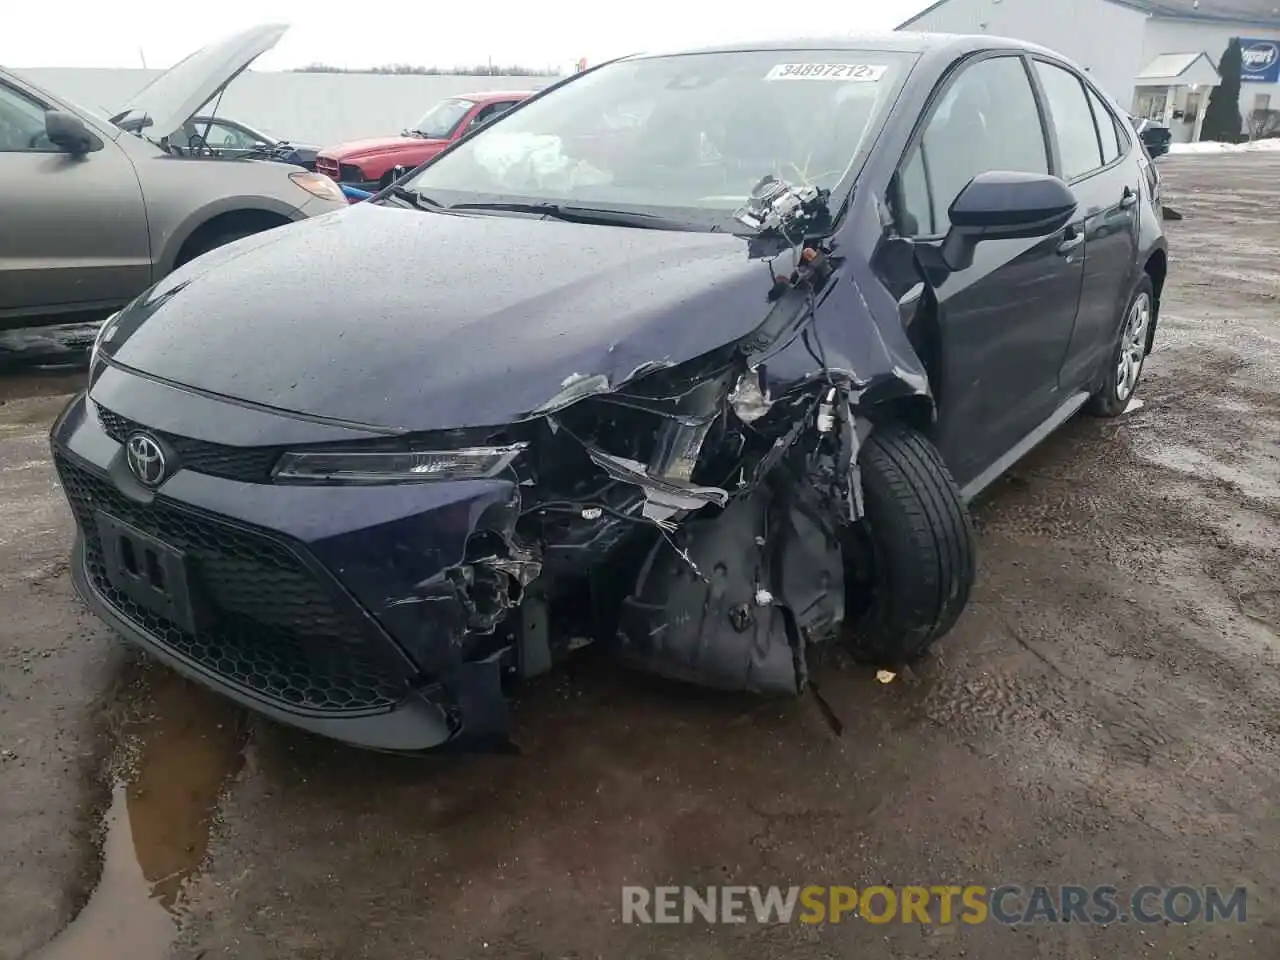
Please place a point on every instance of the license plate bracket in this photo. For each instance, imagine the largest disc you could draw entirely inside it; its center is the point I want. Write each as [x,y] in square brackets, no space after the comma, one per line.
[151,573]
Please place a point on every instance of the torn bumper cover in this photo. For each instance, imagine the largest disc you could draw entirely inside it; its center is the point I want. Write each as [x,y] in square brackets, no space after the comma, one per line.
[395,616]
[368,615]
[679,497]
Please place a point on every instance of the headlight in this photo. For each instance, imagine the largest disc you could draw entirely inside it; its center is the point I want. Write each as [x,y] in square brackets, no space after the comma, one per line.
[318,185]
[104,333]
[467,463]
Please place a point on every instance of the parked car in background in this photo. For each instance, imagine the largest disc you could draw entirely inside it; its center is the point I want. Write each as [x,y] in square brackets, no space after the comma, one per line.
[371,164]
[92,214]
[231,139]
[711,402]
[1156,137]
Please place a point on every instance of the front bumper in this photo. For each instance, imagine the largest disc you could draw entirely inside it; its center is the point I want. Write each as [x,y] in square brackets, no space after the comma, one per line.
[307,593]
[346,174]
[318,206]
[410,725]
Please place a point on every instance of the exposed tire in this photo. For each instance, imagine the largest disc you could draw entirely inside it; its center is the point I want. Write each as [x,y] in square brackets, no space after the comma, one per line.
[912,561]
[214,241]
[1128,353]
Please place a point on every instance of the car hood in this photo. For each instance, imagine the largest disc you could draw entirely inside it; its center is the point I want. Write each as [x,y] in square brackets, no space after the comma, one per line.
[173,98]
[375,145]
[405,320]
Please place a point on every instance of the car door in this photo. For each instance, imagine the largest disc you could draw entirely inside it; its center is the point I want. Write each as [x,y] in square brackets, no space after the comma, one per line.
[1005,321]
[1092,158]
[74,232]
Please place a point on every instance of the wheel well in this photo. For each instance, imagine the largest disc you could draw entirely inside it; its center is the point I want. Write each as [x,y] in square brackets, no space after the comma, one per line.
[235,221]
[914,411]
[1157,268]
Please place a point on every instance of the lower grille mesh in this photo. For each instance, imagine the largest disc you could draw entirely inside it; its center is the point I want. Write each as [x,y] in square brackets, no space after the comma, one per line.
[277,631]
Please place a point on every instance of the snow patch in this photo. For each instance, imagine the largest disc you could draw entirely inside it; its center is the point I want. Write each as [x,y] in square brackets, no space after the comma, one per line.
[1214,146]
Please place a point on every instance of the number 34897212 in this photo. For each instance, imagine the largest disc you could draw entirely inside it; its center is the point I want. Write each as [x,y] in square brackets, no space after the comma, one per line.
[849,72]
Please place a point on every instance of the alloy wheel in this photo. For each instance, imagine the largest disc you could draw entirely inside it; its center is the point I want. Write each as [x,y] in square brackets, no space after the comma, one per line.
[1133,346]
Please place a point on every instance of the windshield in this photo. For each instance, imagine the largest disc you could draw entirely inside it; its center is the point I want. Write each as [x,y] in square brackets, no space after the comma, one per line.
[440,121]
[695,132]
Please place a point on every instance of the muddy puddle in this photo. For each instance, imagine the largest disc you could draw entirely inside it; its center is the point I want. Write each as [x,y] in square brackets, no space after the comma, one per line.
[180,747]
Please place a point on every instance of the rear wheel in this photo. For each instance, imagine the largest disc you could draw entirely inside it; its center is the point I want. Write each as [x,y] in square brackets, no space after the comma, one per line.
[912,558]
[1128,353]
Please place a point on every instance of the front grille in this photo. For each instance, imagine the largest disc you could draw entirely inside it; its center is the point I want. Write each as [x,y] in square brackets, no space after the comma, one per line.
[276,629]
[327,166]
[246,464]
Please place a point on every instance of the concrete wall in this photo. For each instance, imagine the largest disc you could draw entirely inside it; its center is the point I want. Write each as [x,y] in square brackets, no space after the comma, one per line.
[1180,36]
[319,108]
[1103,38]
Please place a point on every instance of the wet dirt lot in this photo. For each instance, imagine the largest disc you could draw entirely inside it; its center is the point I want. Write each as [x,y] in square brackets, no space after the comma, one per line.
[1106,713]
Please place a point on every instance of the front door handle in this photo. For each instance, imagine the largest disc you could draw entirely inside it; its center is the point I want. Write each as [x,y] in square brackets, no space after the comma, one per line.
[1073,240]
[1128,198]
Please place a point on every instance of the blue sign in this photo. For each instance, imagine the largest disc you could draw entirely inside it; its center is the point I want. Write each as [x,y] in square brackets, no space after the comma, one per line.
[1260,60]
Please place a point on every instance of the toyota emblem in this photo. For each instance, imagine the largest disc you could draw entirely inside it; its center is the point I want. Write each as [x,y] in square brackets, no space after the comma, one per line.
[146,459]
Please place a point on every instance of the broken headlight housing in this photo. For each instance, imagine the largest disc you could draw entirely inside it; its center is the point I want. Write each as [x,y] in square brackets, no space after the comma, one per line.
[395,466]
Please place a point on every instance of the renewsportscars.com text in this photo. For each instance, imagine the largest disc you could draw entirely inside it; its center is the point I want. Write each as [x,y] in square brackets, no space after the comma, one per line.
[942,904]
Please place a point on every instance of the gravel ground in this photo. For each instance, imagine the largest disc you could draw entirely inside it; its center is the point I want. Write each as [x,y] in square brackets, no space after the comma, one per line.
[1106,713]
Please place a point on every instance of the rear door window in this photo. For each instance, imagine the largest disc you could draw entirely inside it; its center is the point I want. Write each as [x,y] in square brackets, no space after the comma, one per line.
[1106,123]
[1078,141]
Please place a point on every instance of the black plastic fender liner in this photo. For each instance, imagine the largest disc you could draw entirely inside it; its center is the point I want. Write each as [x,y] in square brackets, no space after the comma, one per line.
[718,615]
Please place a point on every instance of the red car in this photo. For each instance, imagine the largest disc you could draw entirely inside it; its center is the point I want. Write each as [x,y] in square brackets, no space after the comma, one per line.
[370,164]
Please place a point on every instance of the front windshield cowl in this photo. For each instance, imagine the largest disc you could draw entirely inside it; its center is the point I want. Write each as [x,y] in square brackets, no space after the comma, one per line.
[681,136]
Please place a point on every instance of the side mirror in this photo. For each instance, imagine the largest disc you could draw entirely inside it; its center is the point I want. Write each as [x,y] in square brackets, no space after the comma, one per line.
[68,132]
[1005,205]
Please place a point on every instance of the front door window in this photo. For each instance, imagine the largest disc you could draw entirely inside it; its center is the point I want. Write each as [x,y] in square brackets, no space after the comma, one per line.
[21,124]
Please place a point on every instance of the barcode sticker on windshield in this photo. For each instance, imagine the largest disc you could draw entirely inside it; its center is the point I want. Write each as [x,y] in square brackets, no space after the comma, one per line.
[850,72]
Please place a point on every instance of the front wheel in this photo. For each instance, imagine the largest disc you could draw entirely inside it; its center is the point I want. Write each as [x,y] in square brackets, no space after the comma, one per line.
[213,241]
[912,558]
[1128,354]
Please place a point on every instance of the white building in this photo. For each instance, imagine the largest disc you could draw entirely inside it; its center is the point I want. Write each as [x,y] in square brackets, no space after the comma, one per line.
[1158,57]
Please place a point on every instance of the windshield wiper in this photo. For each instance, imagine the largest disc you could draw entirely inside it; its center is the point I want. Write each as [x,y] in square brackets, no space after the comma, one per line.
[577,214]
[413,198]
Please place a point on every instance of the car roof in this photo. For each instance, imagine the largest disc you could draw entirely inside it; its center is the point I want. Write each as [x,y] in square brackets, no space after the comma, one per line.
[888,42]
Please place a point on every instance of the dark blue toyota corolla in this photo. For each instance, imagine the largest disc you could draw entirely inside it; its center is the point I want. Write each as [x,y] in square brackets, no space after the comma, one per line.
[696,357]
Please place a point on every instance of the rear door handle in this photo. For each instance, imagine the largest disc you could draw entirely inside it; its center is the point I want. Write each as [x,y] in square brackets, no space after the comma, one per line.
[1073,240]
[1128,198]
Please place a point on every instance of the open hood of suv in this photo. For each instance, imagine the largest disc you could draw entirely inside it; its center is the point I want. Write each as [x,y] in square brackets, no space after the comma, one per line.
[171,99]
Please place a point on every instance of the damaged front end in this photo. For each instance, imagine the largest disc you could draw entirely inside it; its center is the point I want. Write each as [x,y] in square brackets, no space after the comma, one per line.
[691,519]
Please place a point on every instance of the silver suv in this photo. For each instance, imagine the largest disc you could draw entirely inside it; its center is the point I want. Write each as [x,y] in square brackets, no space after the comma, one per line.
[93,215]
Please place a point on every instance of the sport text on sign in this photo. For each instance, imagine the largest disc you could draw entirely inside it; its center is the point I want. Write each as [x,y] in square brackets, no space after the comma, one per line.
[1260,60]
